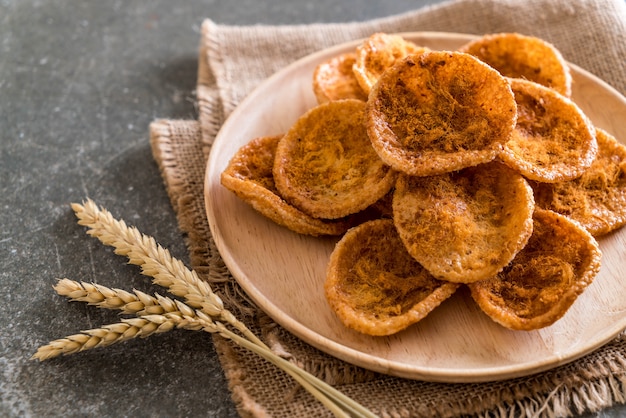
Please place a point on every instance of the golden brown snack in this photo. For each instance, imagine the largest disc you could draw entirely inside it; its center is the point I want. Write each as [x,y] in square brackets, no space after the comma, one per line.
[335,80]
[379,52]
[553,140]
[325,164]
[438,112]
[560,260]
[375,287]
[467,225]
[597,199]
[249,176]
[519,56]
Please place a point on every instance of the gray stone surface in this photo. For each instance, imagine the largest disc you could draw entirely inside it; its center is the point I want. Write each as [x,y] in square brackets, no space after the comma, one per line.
[80,81]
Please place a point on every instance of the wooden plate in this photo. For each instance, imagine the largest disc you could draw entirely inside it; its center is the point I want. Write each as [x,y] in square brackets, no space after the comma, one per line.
[284,272]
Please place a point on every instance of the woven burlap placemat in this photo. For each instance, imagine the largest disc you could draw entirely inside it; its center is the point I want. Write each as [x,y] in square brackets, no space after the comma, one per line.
[233,61]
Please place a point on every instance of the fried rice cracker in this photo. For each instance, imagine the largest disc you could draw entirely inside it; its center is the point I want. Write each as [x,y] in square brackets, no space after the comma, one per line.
[335,80]
[520,56]
[249,176]
[325,164]
[467,225]
[377,53]
[438,112]
[596,199]
[375,287]
[542,282]
[553,139]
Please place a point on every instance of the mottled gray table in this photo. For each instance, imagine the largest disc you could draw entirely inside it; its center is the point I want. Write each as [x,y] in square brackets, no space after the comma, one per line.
[80,81]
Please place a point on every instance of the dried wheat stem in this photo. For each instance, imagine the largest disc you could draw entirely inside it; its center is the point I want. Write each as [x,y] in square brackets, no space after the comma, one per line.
[156,262]
[103,337]
[101,296]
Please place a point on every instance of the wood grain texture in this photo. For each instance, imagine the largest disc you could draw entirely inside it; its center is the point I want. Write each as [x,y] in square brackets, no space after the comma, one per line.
[284,272]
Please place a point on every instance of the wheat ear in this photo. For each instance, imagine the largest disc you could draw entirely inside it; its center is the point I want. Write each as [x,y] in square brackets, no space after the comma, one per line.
[156,262]
[102,337]
[137,302]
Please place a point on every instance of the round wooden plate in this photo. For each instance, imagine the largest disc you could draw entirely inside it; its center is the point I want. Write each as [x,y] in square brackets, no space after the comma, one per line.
[284,272]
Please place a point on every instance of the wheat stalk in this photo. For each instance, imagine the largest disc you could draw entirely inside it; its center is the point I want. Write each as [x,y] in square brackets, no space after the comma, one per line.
[138,302]
[101,337]
[156,262]
[155,314]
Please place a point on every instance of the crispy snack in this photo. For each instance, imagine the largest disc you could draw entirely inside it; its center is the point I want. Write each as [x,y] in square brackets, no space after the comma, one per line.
[325,164]
[249,176]
[464,226]
[335,80]
[560,260]
[375,287]
[379,52]
[597,199]
[553,140]
[438,112]
[527,57]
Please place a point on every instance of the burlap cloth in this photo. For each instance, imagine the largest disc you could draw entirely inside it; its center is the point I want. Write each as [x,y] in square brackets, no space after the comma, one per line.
[233,61]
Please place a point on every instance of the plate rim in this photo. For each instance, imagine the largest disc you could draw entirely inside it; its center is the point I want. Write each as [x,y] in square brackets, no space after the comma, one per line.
[352,355]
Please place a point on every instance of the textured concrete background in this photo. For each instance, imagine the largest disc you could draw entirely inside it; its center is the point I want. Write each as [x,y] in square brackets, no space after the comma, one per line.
[79,84]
